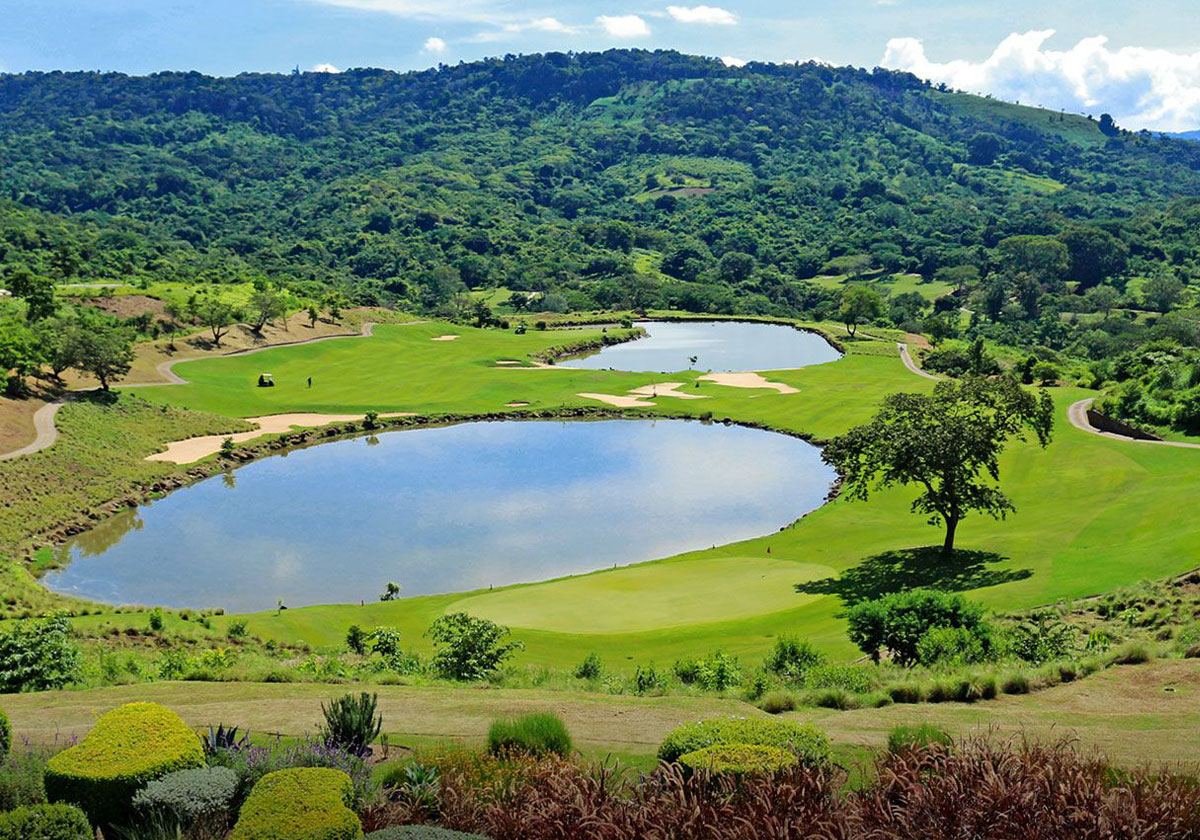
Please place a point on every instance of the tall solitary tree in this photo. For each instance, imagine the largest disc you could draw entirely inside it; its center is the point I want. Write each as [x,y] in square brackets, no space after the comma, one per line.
[859,305]
[948,443]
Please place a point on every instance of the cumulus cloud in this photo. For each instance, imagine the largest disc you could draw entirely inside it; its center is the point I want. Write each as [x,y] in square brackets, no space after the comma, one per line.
[624,26]
[1141,87]
[731,61]
[476,11]
[325,68]
[434,45]
[545,24]
[709,15]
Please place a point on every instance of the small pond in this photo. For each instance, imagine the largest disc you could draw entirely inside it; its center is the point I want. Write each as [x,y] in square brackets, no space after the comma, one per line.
[446,509]
[719,346]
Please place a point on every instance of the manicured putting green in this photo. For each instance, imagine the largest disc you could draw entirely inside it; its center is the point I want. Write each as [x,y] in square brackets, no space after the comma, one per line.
[652,596]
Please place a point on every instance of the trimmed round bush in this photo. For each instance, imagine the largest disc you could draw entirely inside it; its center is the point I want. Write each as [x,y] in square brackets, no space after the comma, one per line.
[5,736]
[197,798]
[420,832]
[303,803]
[537,734]
[739,759]
[128,747]
[806,742]
[45,822]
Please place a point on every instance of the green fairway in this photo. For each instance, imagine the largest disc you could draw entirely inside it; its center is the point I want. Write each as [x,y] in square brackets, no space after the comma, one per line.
[1092,514]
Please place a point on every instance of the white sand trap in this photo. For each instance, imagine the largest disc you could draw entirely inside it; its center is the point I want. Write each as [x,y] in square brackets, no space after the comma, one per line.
[667,389]
[516,404]
[444,338]
[508,362]
[748,380]
[618,400]
[193,449]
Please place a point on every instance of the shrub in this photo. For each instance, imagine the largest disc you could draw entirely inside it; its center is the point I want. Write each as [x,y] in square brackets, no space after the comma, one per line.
[718,671]
[197,800]
[38,655]
[45,822]
[590,668]
[537,734]
[832,698]
[843,677]
[1132,654]
[469,648]
[1041,638]
[308,803]
[920,737]
[127,748]
[778,701]
[897,621]
[648,680]
[739,759]
[21,773]
[904,692]
[952,646]
[1015,683]
[351,723]
[420,832]
[809,744]
[791,657]
[156,620]
[5,736]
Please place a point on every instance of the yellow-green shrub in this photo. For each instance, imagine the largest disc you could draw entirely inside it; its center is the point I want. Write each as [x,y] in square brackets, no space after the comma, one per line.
[739,759]
[809,744]
[303,803]
[128,747]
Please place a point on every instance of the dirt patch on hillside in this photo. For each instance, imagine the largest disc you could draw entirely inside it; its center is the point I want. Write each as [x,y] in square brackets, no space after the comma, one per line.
[127,306]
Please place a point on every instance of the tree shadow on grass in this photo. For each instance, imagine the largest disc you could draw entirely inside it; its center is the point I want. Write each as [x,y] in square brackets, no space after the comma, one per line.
[914,568]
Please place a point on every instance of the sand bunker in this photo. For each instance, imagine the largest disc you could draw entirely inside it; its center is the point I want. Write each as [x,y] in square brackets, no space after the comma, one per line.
[516,404]
[508,362]
[618,400]
[444,338]
[667,389]
[193,449]
[748,380]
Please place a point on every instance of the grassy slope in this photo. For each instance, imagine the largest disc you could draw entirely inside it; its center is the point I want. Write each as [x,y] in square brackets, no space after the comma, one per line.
[1136,714]
[1090,511]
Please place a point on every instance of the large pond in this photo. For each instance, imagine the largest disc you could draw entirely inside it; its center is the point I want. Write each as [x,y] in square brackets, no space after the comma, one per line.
[718,346]
[447,509]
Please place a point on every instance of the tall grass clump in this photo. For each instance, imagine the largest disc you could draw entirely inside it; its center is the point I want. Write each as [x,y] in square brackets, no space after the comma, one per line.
[537,734]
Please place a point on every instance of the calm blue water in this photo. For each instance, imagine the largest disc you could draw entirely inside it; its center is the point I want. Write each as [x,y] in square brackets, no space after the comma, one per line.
[719,346]
[447,509]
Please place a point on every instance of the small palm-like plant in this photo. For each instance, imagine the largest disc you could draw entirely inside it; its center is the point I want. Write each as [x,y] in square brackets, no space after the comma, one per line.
[351,723]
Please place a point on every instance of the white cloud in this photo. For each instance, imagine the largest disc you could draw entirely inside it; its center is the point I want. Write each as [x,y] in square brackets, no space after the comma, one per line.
[545,24]
[434,45]
[730,61]
[624,26]
[473,11]
[709,15]
[325,68]
[1141,87]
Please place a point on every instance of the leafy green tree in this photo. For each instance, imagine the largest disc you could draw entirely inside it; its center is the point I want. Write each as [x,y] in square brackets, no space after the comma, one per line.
[267,303]
[217,315]
[1096,255]
[945,443]
[859,305]
[897,621]
[984,148]
[35,290]
[1162,293]
[1044,257]
[98,346]
[21,354]
[469,648]
[1102,299]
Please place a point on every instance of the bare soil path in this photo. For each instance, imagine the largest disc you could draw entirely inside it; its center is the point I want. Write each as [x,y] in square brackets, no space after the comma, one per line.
[1078,415]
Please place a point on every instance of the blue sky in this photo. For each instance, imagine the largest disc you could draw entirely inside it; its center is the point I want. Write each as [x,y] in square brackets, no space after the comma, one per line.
[1082,55]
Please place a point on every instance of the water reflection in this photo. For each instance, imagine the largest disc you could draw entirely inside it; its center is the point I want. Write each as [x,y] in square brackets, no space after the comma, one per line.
[447,509]
[712,346]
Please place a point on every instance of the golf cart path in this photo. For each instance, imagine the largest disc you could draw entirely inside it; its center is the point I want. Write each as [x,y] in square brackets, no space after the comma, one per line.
[43,418]
[906,357]
[1077,414]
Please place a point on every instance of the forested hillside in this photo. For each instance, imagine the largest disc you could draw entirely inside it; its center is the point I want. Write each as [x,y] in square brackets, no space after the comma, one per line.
[625,179]
[574,174]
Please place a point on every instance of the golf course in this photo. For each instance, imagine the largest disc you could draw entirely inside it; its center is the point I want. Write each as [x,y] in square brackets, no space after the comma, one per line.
[1089,511]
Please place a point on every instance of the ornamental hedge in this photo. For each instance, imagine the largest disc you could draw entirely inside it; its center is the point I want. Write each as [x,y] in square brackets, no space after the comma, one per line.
[739,759]
[127,748]
[303,803]
[45,822]
[808,744]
